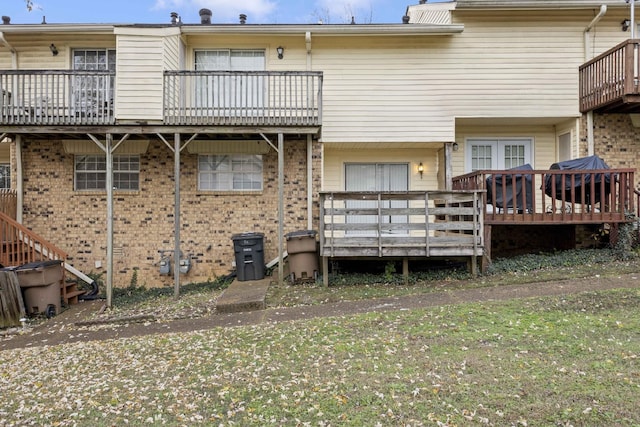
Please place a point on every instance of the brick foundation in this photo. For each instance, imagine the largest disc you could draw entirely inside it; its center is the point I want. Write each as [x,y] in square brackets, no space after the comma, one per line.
[144,220]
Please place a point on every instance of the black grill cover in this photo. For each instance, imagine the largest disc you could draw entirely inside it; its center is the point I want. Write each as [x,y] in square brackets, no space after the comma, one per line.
[523,183]
[578,180]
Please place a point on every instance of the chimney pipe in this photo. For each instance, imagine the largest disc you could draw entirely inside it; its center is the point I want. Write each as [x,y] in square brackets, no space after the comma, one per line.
[205,16]
[174,18]
[243,18]
[405,19]
[6,20]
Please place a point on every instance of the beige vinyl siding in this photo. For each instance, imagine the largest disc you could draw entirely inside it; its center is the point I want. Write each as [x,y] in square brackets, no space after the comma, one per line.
[33,51]
[140,65]
[382,89]
[335,159]
[505,64]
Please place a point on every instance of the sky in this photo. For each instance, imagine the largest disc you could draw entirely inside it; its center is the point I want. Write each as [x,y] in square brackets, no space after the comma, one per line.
[224,11]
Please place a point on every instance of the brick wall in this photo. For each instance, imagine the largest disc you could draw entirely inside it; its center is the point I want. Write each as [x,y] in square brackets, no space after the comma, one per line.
[144,220]
[616,141]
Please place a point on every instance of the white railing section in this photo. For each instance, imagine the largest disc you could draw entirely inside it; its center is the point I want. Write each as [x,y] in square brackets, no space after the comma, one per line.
[56,97]
[239,98]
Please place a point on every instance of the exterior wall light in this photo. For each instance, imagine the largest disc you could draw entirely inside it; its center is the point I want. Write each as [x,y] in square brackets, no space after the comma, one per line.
[280,51]
[455,146]
[421,169]
[625,24]
[54,49]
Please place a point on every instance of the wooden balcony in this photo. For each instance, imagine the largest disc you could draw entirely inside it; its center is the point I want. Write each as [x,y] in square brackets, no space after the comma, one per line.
[56,97]
[609,83]
[553,196]
[401,224]
[243,98]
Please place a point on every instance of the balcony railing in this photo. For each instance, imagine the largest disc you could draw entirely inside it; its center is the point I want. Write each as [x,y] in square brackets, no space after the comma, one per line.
[553,196]
[56,97]
[239,98]
[610,81]
[401,224]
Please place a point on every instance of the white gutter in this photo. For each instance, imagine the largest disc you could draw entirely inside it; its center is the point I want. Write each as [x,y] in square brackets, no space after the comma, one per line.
[587,49]
[14,53]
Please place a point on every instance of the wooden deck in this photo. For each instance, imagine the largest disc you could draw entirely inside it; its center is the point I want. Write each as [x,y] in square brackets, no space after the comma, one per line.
[401,225]
[553,196]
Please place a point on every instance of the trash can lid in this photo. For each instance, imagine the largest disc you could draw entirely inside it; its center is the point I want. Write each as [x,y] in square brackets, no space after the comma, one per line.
[247,235]
[301,233]
[39,264]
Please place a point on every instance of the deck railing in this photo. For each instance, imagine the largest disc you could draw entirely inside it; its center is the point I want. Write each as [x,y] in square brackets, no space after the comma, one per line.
[9,202]
[22,246]
[610,77]
[237,98]
[401,224]
[56,97]
[553,196]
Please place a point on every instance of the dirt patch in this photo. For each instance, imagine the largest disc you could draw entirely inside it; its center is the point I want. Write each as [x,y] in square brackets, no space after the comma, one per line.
[73,325]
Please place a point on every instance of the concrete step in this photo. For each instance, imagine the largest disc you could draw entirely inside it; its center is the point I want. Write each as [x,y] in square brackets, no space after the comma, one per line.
[244,296]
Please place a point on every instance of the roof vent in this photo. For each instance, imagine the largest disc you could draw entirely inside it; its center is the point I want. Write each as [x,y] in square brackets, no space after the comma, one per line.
[174,18]
[6,20]
[205,16]
[405,19]
[243,18]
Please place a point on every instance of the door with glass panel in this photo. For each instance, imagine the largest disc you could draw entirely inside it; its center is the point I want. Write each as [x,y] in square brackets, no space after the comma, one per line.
[92,94]
[377,177]
[497,154]
[236,90]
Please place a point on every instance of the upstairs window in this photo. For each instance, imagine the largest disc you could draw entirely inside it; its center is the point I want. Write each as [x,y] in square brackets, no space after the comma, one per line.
[92,95]
[5,176]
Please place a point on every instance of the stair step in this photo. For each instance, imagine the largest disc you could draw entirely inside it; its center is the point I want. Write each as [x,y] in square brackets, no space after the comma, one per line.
[70,292]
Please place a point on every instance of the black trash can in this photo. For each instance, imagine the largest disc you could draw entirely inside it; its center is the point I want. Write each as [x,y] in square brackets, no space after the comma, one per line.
[249,253]
[303,257]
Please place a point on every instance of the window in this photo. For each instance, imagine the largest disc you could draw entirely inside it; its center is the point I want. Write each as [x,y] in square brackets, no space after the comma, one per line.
[376,177]
[230,94]
[5,176]
[497,154]
[232,172]
[91,172]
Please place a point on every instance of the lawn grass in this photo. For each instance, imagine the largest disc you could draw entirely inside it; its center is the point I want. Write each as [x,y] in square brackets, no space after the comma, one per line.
[569,360]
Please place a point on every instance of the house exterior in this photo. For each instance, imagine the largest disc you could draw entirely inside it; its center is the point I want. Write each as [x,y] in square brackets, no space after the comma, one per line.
[127,140]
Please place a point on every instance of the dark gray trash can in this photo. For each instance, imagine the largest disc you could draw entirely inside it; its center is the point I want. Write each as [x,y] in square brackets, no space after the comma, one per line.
[249,254]
[303,256]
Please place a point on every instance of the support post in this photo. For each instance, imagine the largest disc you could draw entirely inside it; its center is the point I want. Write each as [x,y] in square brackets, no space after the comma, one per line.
[405,270]
[109,184]
[19,180]
[280,207]
[176,217]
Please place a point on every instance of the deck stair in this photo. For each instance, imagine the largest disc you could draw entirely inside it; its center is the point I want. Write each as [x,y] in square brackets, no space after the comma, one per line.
[22,246]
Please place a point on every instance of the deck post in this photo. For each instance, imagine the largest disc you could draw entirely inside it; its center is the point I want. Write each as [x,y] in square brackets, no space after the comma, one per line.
[405,270]
[325,271]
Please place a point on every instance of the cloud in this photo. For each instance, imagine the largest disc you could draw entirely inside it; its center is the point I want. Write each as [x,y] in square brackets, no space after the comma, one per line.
[224,11]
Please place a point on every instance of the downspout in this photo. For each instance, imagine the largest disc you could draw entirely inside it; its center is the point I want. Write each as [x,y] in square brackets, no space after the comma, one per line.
[307,39]
[19,184]
[14,53]
[587,49]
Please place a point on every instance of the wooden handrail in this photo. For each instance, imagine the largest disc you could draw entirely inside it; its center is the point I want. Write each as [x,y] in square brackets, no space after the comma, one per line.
[8,202]
[21,246]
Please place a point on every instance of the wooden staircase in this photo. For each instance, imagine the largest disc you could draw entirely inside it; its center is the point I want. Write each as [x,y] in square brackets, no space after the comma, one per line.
[20,246]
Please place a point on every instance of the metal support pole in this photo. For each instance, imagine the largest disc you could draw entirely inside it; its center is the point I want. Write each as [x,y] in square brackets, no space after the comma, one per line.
[280,207]
[309,182]
[109,184]
[176,218]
